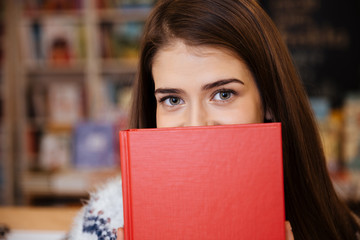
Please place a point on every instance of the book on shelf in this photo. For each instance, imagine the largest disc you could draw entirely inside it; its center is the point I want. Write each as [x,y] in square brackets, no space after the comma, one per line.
[55,41]
[33,136]
[60,40]
[106,40]
[65,103]
[212,182]
[137,3]
[118,94]
[31,41]
[120,40]
[94,145]
[36,102]
[352,131]
[113,4]
[330,128]
[51,5]
[115,100]
[55,153]
[103,4]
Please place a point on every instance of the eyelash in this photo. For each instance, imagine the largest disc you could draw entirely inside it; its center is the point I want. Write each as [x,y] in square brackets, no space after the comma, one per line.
[163,99]
[234,93]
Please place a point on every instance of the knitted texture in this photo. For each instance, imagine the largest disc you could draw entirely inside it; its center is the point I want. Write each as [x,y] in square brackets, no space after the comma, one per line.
[100,218]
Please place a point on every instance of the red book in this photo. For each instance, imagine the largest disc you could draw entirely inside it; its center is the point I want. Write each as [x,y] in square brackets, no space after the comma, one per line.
[217,182]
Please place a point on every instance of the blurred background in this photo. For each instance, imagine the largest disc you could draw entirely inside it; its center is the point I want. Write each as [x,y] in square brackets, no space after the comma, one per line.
[66,71]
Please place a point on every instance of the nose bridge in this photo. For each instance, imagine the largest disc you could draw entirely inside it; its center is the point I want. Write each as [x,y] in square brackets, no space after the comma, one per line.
[197,115]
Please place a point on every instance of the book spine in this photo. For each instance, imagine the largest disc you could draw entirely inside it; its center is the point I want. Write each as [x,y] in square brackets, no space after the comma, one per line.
[126,187]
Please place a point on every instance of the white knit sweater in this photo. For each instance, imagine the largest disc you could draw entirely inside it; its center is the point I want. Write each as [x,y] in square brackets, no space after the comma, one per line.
[100,218]
[102,215]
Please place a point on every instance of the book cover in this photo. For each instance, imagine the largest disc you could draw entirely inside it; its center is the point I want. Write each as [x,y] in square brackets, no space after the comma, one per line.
[36,104]
[65,103]
[55,152]
[330,125]
[127,39]
[107,40]
[351,140]
[94,145]
[31,41]
[60,38]
[216,182]
[56,6]
[116,101]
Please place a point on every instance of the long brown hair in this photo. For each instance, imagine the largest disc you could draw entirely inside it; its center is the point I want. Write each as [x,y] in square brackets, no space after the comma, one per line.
[241,26]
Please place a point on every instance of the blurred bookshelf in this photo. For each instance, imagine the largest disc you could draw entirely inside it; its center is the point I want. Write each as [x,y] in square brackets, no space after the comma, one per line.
[66,70]
[68,88]
[323,39]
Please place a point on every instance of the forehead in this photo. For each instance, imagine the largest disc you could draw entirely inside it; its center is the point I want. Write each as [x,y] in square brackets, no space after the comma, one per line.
[181,61]
[178,46]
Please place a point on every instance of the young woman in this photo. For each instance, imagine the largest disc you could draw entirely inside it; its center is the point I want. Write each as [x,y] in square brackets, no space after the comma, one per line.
[210,62]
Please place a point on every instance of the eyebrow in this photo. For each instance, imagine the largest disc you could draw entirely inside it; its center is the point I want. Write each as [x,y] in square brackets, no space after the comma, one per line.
[221,83]
[205,87]
[168,90]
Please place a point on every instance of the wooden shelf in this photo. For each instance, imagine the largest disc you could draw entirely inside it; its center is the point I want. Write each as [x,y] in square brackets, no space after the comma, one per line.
[66,183]
[113,15]
[40,14]
[72,69]
[119,66]
[49,219]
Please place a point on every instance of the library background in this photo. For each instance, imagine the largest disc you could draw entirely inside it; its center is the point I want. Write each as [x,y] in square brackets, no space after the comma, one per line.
[66,71]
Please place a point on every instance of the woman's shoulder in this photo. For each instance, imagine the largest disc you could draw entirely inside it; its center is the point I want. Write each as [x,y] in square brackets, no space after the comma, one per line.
[102,214]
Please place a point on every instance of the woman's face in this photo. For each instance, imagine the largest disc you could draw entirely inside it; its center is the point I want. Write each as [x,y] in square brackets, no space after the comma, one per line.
[200,86]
